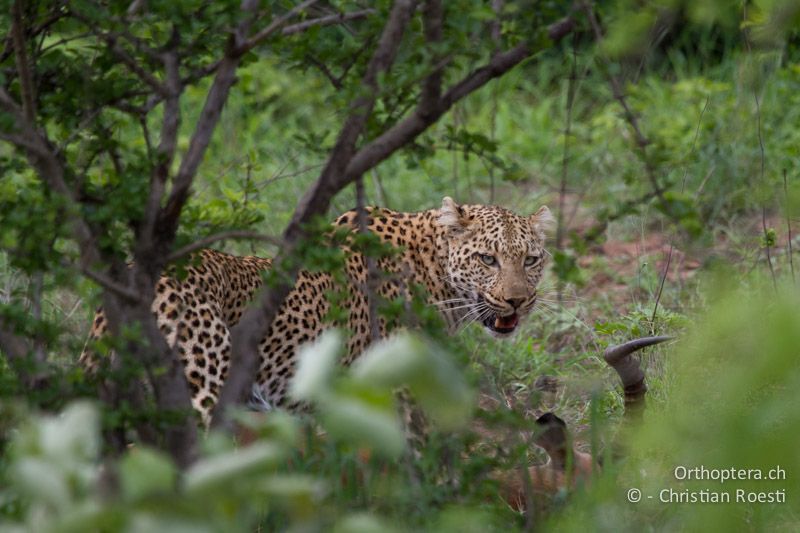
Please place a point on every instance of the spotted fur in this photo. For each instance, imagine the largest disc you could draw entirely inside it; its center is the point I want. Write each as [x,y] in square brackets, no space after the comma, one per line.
[443,250]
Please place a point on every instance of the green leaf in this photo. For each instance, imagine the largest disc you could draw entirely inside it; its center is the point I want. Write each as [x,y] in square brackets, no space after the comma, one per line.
[428,371]
[391,362]
[219,473]
[145,472]
[317,363]
[358,422]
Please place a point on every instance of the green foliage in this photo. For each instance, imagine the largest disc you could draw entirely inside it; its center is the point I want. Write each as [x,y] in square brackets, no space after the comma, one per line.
[56,481]
[730,404]
[701,95]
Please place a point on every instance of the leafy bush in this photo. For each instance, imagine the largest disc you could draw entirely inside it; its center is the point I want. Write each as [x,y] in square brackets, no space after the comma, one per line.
[57,479]
[731,403]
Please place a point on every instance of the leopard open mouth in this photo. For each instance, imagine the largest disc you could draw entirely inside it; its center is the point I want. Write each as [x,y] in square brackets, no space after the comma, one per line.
[504,325]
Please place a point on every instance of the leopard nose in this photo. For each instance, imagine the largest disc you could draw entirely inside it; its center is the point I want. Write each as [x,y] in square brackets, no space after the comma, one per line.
[515,302]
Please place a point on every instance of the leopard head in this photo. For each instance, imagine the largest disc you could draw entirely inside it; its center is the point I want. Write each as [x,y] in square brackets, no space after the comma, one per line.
[494,262]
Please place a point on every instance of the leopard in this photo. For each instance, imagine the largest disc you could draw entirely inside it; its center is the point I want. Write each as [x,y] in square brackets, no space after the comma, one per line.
[474,263]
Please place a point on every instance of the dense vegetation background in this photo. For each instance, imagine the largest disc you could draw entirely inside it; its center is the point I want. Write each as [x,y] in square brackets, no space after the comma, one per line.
[662,135]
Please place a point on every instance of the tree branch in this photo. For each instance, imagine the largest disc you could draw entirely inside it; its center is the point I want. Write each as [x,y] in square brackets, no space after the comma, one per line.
[253,325]
[222,236]
[287,30]
[371,277]
[642,142]
[274,26]
[328,20]
[23,68]
[165,152]
[112,42]
[51,170]
[344,166]
[133,65]
[204,129]
[111,285]
[406,130]
[432,86]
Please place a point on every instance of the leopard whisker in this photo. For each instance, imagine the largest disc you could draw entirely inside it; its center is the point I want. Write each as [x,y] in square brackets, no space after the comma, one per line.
[479,310]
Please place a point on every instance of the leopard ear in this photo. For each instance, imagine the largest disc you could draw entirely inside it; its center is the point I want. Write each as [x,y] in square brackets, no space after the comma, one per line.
[543,220]
[451,216]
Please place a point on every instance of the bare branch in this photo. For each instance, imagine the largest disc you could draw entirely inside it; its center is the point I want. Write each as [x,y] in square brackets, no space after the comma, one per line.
[329,20]
[20,142]
[788,226]
[332,179]
[274,26]
[322,67]
[222,236]
[135,7]
[108,283]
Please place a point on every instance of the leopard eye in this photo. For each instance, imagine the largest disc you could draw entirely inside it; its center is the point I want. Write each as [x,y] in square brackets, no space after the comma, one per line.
[532,260]
[488,260]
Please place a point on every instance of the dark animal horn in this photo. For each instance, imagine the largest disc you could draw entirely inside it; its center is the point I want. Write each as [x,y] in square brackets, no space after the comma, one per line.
[621,359]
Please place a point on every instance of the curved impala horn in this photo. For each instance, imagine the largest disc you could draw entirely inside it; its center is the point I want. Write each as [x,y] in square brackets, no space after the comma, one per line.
[630,372]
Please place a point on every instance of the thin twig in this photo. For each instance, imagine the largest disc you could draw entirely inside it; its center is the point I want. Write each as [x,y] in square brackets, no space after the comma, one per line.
[372,268]
[671,244]
[763,160]
[274,26]
[108,283]
[562,191]
[206,124]
[328,20]
[496,29]
[326,71]
[788,225]
[642,142]
[761,176]
[112,41]
[222,236]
